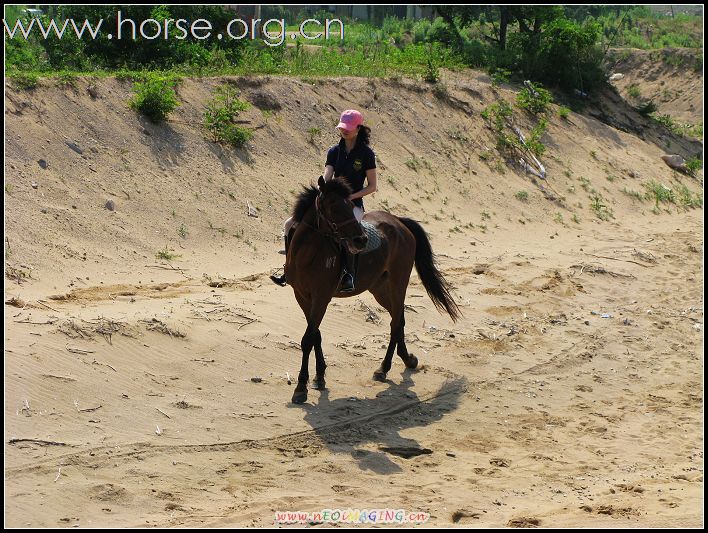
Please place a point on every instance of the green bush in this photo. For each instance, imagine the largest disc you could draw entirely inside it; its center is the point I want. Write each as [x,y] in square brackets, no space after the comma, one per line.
[692,130]
[533,142]
[432,70]
[24,55]
[698,63]
[693,165]
[499,76]
[474,53]
[687,198]
[668,122]
[420,30]
[25,80]
[564,113]
[220,116]
[496,115]
[274,12]
[67,79]
[659,193]
[313,132]
[534,98]
[599,208]
[440,32]
[647,108]
[237,135]
[507,59]
[155,97]
[166,254]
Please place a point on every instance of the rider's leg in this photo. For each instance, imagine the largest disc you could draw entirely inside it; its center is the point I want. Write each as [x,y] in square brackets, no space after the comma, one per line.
[347,282]
[288,227]
[350,261]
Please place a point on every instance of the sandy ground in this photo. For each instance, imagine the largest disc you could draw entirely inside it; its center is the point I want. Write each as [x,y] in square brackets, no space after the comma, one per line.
[569,395]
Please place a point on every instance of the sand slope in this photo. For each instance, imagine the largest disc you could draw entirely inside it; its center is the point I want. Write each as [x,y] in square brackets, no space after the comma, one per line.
[672,78]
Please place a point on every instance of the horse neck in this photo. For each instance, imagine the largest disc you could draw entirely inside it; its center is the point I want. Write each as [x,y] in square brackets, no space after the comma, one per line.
[310,224]
[308,243]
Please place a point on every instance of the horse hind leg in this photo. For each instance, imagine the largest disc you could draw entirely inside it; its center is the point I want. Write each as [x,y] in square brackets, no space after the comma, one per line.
[393,299]
[383,297]
[380,373]
[410,360]
[397,322]
[397,341]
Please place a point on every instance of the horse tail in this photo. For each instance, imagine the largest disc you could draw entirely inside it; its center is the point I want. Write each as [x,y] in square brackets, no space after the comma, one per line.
[435,284]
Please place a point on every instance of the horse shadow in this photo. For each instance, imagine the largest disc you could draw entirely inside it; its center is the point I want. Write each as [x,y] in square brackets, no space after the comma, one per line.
[345,425]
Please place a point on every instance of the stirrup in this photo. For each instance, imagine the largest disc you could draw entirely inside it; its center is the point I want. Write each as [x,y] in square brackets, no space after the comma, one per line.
[347,283]
[279,280]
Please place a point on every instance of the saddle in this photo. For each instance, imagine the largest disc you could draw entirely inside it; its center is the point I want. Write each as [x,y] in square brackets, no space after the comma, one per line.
[374,237]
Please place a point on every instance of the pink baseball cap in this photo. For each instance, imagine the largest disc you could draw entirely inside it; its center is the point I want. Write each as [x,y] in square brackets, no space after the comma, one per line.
[350,119]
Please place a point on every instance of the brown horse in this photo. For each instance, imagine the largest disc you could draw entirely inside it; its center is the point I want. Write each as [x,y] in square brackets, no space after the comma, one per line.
[313,265]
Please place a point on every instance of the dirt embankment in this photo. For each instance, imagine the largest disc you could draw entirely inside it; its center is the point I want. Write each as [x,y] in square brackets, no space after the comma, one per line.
[569,394]
[68,153]
[672,78]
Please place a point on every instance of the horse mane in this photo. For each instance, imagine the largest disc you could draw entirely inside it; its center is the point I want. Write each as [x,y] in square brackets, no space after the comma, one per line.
[307,196]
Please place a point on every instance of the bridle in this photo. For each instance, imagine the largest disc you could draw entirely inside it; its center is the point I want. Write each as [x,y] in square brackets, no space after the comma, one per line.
[333,227]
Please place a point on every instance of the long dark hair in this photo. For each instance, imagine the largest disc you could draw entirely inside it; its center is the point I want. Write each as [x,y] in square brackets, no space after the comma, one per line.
[364,135]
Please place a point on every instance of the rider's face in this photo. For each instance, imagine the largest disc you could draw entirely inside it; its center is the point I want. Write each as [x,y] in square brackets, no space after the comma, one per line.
[349,135]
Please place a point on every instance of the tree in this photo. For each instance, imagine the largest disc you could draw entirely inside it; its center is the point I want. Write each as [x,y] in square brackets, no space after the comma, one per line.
[569,55]
[530,19]
[464,15]
[144,52]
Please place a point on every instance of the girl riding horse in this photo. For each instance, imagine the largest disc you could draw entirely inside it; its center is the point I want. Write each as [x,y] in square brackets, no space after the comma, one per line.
[354,161]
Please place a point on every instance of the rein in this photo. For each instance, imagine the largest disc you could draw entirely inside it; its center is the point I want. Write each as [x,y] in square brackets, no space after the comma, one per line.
[333,227]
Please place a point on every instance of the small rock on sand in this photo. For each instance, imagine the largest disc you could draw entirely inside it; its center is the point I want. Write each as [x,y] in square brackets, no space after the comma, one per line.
[674,161]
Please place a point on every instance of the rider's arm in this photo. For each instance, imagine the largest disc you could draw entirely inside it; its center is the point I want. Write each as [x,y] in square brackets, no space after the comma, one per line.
[329,172]
[371,185]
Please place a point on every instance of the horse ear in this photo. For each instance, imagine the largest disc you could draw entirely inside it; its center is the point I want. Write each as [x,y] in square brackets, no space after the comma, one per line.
[321,182]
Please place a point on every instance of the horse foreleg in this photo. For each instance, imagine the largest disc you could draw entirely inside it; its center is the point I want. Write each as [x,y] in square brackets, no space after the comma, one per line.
[319,381]
[315,312]
[308,341]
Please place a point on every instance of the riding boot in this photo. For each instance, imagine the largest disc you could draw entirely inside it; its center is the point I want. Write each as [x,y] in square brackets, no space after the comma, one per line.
[281,280]
[348,271]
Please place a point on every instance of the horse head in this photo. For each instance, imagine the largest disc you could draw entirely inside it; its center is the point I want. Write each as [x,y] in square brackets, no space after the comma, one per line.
[336,213]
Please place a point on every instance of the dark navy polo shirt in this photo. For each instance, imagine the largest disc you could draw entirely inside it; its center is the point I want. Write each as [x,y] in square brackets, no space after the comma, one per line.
[352,165]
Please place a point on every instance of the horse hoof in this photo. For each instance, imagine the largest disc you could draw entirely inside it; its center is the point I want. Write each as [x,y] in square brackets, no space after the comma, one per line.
[380,376]
[411,362]
[300,397]
[319,384]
